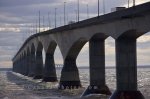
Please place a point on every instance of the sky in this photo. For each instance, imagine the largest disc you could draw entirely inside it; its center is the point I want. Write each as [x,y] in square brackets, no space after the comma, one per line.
[18,20]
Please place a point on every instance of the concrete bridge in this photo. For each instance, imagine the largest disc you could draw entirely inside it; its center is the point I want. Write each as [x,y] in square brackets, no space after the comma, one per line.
[124,26]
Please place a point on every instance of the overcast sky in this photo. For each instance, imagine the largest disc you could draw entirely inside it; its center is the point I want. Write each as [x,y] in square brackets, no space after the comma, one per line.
[18,19]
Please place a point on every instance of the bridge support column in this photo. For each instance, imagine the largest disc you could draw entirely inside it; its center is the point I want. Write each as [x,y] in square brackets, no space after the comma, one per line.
[49,69]
[38,70]
[31,64]
[97,68]
[23,65]
[18,71]
[14,66]
[126,70]
[69,75]
[13,69]
[18,66]
[26,65]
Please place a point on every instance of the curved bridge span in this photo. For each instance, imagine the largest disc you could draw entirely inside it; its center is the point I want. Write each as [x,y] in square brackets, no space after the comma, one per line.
[123,26]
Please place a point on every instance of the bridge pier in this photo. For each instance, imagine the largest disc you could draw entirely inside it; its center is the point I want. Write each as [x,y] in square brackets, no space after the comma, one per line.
[126,70]
[23,65]
[14,66]
[69,75]
[26,65]
[17,66]
[49,74]
[31,64]
[38,70]
[97,68]
[13,69]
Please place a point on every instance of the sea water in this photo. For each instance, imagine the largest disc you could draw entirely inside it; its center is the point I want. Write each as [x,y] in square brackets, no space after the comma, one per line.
[143,75]
[143,79]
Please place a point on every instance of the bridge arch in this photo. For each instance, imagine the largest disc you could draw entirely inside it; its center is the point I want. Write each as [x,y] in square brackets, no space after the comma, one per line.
[69,74]
[97,65]
[49,71]
[126,63]
[51,47]
[129,34]
[70,61]
[75,48]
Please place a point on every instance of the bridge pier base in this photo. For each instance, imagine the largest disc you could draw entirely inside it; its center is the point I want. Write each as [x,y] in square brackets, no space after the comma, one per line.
[69,75]
[96,90]
[97,68]
[126,65]
[49,69]
[39,66]
[127,95]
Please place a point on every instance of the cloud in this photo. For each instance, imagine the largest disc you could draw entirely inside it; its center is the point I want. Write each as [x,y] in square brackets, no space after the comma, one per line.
[3,29]
[10,39]
[11,3]
[10,18]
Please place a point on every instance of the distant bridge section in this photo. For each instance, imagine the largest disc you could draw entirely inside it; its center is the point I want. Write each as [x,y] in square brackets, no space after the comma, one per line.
[123,26]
